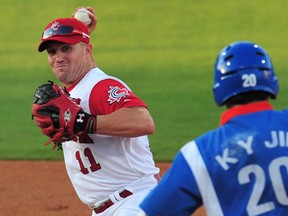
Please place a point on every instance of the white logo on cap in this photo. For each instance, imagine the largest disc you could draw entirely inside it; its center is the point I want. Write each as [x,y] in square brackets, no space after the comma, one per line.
[55,26]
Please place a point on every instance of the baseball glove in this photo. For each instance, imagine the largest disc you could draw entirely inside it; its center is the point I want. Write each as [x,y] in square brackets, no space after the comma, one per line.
[59,116]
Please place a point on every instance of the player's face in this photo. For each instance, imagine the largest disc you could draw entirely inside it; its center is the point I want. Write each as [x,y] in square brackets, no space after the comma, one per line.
[69,62]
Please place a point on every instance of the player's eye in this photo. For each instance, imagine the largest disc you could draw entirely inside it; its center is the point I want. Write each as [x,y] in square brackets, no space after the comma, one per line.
[51,51]
[66,49]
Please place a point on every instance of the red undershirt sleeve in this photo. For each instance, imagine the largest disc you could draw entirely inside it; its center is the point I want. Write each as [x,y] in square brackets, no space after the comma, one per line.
[110,95]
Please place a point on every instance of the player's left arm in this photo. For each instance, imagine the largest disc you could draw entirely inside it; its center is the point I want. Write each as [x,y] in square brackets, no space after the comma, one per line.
[176,194]
[127,122]
[119,111]
[59,116]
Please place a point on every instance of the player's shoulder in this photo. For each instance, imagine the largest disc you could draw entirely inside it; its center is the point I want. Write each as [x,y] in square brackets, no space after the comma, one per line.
[282,112]
[110,86]
[111,81]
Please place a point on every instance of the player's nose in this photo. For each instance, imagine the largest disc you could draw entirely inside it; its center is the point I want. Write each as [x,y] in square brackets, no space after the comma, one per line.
[59,56]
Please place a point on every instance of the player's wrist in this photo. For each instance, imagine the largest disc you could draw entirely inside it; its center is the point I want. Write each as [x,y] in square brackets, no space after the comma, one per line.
[85,123]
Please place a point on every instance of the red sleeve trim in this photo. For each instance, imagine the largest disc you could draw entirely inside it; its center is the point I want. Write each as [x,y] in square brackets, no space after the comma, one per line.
[110,95]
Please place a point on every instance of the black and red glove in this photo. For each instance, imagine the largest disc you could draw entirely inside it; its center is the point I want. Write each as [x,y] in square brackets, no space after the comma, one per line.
[59,116]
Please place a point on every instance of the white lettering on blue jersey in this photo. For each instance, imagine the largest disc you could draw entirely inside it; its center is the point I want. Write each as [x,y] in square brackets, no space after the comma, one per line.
[278,138]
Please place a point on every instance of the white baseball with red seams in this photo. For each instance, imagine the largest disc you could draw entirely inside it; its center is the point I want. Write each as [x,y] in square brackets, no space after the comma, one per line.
[82,14]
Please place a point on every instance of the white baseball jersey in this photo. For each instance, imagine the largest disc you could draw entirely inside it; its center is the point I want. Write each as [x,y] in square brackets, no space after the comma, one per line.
[99,165]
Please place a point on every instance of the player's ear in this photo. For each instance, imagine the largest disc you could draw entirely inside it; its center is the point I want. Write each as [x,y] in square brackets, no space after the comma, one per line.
[89,48]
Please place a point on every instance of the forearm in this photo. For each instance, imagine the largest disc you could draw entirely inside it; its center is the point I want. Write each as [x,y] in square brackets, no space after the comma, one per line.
[126,122]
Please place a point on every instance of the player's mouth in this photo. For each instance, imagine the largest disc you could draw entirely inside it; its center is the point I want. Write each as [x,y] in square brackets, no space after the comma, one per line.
[60,67]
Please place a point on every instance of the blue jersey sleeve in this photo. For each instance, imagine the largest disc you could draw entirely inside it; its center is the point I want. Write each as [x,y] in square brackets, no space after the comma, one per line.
[176,194]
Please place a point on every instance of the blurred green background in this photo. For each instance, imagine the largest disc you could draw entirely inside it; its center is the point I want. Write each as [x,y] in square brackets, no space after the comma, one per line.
[164,50]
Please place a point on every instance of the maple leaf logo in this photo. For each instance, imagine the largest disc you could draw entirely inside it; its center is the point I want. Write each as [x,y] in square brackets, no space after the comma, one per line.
[116,94]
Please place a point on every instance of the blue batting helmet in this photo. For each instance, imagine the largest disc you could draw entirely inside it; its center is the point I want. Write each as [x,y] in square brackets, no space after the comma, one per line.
[241,67]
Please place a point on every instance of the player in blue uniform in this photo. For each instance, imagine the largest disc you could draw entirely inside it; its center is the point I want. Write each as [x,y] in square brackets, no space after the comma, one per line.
[240,168]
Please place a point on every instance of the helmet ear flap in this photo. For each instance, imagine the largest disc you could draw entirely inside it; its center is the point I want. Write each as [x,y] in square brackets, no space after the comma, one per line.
[242,67]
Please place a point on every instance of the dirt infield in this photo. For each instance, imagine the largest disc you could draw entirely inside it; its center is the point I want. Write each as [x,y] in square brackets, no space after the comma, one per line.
[42,188]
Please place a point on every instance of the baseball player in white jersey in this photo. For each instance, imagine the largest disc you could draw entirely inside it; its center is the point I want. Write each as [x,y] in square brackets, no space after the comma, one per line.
[109,163]
[240,168]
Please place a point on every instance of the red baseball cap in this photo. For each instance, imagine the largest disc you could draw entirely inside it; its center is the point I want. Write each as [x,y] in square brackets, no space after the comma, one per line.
[65,30]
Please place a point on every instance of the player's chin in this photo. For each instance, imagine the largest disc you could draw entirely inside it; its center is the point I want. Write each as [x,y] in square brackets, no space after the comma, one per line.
[61,75]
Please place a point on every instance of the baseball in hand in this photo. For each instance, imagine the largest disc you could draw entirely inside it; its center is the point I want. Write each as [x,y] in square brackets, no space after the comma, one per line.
[82,14]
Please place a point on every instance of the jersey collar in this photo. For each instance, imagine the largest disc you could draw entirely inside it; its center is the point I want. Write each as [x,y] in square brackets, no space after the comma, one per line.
[72,86]
[244,109]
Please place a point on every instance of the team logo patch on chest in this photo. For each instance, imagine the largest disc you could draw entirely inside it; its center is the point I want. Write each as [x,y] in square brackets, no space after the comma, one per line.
[116,94]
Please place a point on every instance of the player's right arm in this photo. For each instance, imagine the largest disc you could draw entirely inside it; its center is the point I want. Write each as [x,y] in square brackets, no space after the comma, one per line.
[92,26]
